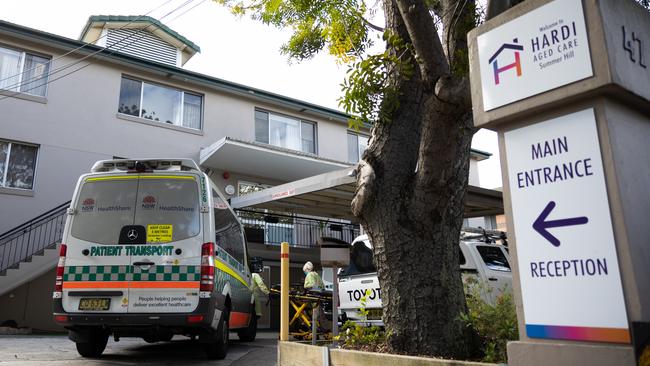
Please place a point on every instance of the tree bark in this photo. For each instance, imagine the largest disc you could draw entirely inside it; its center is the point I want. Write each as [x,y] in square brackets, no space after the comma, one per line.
[410,195]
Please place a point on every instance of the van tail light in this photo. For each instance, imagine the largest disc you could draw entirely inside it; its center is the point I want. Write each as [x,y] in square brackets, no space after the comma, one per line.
[207,267]
[61,318]
[194,319]
[60,268]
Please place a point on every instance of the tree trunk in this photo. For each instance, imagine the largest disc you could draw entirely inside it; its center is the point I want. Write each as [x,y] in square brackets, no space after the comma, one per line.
[410,197]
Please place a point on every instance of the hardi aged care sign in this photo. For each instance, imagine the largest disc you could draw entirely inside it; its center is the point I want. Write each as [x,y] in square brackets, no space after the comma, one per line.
[539,51]
[568,267]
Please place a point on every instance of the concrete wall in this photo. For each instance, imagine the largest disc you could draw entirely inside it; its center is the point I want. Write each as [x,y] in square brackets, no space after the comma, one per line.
[30,305]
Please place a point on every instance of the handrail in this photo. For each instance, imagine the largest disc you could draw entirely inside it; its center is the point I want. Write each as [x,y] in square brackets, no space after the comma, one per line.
[23,241]
[28,223]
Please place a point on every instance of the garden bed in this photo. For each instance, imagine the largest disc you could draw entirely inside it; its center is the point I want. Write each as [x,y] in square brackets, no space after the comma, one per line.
[300,354]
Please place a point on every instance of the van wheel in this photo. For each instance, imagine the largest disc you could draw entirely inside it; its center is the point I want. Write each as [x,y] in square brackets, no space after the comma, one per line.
[218,349]
[95,345]
[248,334]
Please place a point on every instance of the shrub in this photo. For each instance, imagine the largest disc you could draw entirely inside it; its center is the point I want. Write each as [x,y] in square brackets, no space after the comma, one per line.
[355,336]
[495,324]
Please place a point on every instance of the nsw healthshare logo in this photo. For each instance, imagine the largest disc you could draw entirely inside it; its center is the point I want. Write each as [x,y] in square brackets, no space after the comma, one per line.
[515,47]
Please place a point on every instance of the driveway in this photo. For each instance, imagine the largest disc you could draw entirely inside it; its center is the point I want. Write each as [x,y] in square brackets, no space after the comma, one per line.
[58,350]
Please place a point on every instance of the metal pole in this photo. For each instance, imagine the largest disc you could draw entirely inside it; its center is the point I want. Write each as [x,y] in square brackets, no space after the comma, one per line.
[284,292]
[335,310]
[314,319]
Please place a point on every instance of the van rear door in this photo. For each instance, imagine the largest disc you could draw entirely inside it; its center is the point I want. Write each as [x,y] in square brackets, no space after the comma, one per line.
[97,267]
[166,265]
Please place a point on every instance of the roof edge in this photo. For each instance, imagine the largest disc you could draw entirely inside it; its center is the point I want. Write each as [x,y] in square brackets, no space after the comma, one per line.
[137,19]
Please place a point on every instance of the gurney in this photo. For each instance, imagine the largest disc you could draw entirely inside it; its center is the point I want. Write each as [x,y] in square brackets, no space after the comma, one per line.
[301,304]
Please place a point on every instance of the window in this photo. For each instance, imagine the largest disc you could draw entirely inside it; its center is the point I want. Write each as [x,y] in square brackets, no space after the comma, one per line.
[160,103]
[357,144]
[228,231]
[17,165]
[494,258]
[23,72]
[116,203]
[285,132]
[361,260]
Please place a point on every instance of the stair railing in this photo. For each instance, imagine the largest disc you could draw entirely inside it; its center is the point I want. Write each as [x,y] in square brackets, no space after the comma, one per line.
[25,240]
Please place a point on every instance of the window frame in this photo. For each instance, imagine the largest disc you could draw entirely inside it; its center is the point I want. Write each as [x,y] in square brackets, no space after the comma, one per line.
[357,135]
[181,113]
[300,120]
[3,178]
[23,55]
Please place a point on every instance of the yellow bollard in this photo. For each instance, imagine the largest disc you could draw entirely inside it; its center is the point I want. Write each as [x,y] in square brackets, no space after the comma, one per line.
[284,292]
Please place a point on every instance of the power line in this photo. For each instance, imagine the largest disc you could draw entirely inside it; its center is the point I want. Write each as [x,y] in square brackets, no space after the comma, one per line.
[186,11]
[87,43]
[64,67]
[86,57]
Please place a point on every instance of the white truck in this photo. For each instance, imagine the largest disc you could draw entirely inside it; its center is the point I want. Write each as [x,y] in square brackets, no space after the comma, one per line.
[488,263]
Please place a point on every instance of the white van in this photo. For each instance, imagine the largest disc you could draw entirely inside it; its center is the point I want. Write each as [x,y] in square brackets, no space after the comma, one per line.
[151,249]
[488,263]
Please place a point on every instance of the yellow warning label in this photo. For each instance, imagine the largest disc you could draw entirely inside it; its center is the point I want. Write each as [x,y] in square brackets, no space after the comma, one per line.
[159,233]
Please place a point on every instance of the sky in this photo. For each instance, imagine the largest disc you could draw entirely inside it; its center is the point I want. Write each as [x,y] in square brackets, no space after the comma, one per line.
[236,49]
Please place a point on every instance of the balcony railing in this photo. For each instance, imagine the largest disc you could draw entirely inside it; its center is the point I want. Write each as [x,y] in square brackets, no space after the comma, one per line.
[299,231]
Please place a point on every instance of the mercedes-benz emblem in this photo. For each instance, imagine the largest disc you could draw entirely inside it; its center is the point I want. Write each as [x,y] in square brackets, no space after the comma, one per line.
[132,234]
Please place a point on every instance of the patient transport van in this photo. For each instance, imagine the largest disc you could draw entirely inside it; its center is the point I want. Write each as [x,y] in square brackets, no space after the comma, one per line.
[151,249]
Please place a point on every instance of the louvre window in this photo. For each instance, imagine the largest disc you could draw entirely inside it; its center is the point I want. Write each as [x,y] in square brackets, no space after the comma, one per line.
[160,103]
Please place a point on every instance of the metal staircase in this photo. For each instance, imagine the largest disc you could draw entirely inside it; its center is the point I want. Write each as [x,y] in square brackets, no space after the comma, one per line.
[29,250]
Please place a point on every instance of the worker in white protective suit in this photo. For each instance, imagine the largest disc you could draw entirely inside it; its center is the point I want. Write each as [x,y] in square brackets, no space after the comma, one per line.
[258,287]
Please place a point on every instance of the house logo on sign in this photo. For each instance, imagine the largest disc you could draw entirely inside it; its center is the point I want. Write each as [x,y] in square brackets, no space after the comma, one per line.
[515,47]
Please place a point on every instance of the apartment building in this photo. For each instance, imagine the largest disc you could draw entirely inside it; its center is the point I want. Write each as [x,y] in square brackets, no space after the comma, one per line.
[120,91]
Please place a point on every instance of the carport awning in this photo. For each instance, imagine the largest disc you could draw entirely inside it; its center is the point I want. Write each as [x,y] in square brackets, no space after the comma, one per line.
[264,160]
[330,195]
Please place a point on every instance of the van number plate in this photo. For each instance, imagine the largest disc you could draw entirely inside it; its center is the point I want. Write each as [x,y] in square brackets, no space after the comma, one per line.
[94,304]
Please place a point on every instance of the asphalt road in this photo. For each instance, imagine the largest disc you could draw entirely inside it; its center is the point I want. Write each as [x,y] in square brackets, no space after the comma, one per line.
[59,350]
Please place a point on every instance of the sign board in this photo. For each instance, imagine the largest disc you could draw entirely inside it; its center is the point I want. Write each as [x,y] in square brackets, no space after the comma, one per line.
[539,51]
[568,267]
[159,233]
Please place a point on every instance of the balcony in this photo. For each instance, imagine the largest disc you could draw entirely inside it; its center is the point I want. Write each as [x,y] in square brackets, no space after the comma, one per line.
[299,231]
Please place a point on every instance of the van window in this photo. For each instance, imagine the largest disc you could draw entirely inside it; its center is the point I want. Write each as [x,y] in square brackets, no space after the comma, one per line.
[169,202]
[461,257]
[105,206]
[228,231]
[494,258]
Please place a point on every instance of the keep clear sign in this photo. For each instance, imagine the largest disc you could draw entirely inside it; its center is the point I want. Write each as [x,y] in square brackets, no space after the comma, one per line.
[568,267]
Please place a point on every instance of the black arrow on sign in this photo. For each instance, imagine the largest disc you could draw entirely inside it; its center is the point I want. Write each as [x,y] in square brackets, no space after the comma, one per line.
[541,225]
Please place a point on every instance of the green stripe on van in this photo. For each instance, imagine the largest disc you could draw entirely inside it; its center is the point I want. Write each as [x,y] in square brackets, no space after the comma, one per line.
[131,273]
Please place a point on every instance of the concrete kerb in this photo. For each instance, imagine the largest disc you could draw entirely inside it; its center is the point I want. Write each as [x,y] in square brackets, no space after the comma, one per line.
[299,354]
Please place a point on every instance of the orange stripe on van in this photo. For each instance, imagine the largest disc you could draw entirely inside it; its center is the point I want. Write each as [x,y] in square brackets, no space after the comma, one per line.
[164,284]
[238,320]
[129,284]
[93,284]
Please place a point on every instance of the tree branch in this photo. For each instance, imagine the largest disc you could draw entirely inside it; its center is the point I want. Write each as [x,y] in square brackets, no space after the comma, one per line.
[370,25]
[426,43]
